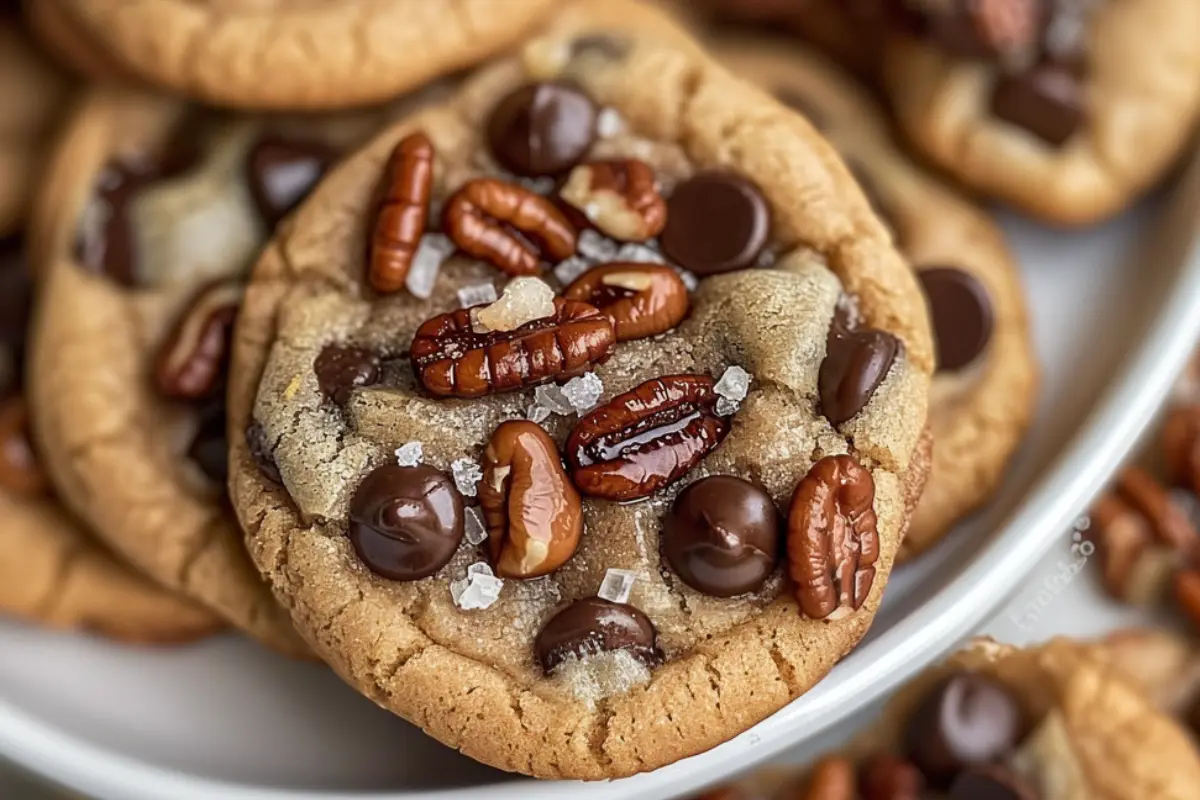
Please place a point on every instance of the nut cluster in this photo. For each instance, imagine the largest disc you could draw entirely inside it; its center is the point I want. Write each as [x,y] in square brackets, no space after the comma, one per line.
[619,197]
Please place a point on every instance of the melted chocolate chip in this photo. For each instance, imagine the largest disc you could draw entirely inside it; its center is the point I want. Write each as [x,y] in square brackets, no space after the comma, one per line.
[542,129]
[965,720]
[797,100]
[282,172]
[342,369]
[406,522]
[717,221]
[722,536]
[595,625]
[856,362]
[261,452]
[210,446]
[991,782]
[962,315]
[1048,101]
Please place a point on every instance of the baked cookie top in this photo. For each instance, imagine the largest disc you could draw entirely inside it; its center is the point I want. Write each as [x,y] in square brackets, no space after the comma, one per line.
[985,389]
[696,309]
[282,54]
[151,213]
[1068,109]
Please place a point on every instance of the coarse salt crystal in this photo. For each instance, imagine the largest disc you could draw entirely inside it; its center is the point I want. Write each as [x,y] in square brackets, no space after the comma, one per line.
[570,269]
[537,413]
[609,122]
[479,590]
[475,530]
[726,407]
[477,294]
[410,454]
[523,301]
[617,585]
[734,384]
[584,392]
[431,253]
[542,185]
[480,568]
[636,253]
[467,476]
[551,397]
[597,247]
[689,279]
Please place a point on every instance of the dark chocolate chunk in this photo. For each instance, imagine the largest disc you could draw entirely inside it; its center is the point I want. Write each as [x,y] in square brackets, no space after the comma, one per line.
[261,452]
[406,522]
[992,782]
[1048,101]
[595,625]
[281,172]
[210,446]
[962,315]
[856,362]
[965,720]
[717,221]
[342,369]
[542,129]
[722,536]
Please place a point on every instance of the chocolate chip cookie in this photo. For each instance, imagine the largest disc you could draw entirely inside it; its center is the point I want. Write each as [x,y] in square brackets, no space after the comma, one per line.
[582,411]
[51,572]
[32,92]
[1068,109]
[281,54]
[151,212]
[985,388]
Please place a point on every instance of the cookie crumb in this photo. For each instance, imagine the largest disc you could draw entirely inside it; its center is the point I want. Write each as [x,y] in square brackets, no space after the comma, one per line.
[410,454]
[477,294]
[467,475]
[431,253]
[475,530]
[479,590]
[617,585]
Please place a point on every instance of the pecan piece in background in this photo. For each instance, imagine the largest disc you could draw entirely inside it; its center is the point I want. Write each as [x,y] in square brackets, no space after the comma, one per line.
[619,197]
[833,538]
[20,471]
[481,217]
[192,361]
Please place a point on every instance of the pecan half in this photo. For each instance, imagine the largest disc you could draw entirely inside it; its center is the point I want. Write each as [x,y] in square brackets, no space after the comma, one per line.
[889,777]
[1149,497]
[452,360]
[403,213]
[619,197]
[20,471]
[645,439]
[833,538]
[1124,544]
[191,362]
[480,216]
[1181,446]
[831,779]
[534,515]
[641,299]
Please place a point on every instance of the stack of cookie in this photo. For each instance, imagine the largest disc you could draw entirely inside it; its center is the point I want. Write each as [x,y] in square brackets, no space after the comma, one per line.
[566,393]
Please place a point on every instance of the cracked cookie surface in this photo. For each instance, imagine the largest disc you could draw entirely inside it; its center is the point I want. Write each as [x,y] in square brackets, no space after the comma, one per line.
[467,673]
[983,395]
[287,55]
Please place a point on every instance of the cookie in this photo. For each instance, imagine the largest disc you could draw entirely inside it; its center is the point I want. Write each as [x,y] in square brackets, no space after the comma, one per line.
[984,391]
[281,54]
[1051,723]
[1069,114]
[51,572]
[402,480]
[32,93]
[150,214]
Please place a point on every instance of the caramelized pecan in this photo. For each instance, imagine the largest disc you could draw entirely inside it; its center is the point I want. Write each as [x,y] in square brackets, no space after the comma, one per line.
[833,538]
[191,363]
[831,779]
[645,439]
[481,216]
[452,360]
[619,197]
[403,213]
[641,299]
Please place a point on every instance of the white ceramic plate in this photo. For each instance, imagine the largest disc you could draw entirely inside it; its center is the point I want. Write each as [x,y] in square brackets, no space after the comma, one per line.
[226,719]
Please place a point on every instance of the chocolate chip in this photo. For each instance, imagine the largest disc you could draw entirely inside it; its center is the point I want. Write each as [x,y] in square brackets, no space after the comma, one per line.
[965,720]
[342,369]
[722,536]
[261,451]
[992,782]
[281,172]
[16,296]
[1048,101]
[717,222]
[962,315]
[406,522]
[595,625]
[798,101]
[210,446]
[542,129]
[856,362]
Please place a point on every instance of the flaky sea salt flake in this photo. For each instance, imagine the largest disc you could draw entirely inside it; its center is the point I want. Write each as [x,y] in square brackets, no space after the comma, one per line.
[734,384]
[584,392]
[467,476]
[597,247]
[537,413]
[542,185]
[727,407]
[479,590]
[552,397]
[474,528]
[409,454]
[617,585]
[609,122]
[477,294]
[524,300]
[571,268]
[689,279]
[431,253]
[637,253]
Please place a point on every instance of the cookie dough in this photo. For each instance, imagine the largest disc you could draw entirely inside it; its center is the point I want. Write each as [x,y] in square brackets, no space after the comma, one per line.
[984,392]
[402,488]
[32,94]
[1069,119]
[151,212]
[282,54]
[52,573]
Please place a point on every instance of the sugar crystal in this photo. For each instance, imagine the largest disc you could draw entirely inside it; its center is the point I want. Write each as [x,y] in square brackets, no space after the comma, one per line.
[409,454]
[583,393]
[480,589]
[524,300]
[475,529]
[597,247]
[431,253]
[467,476]
[617,585]
[595,677]
[477,294]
